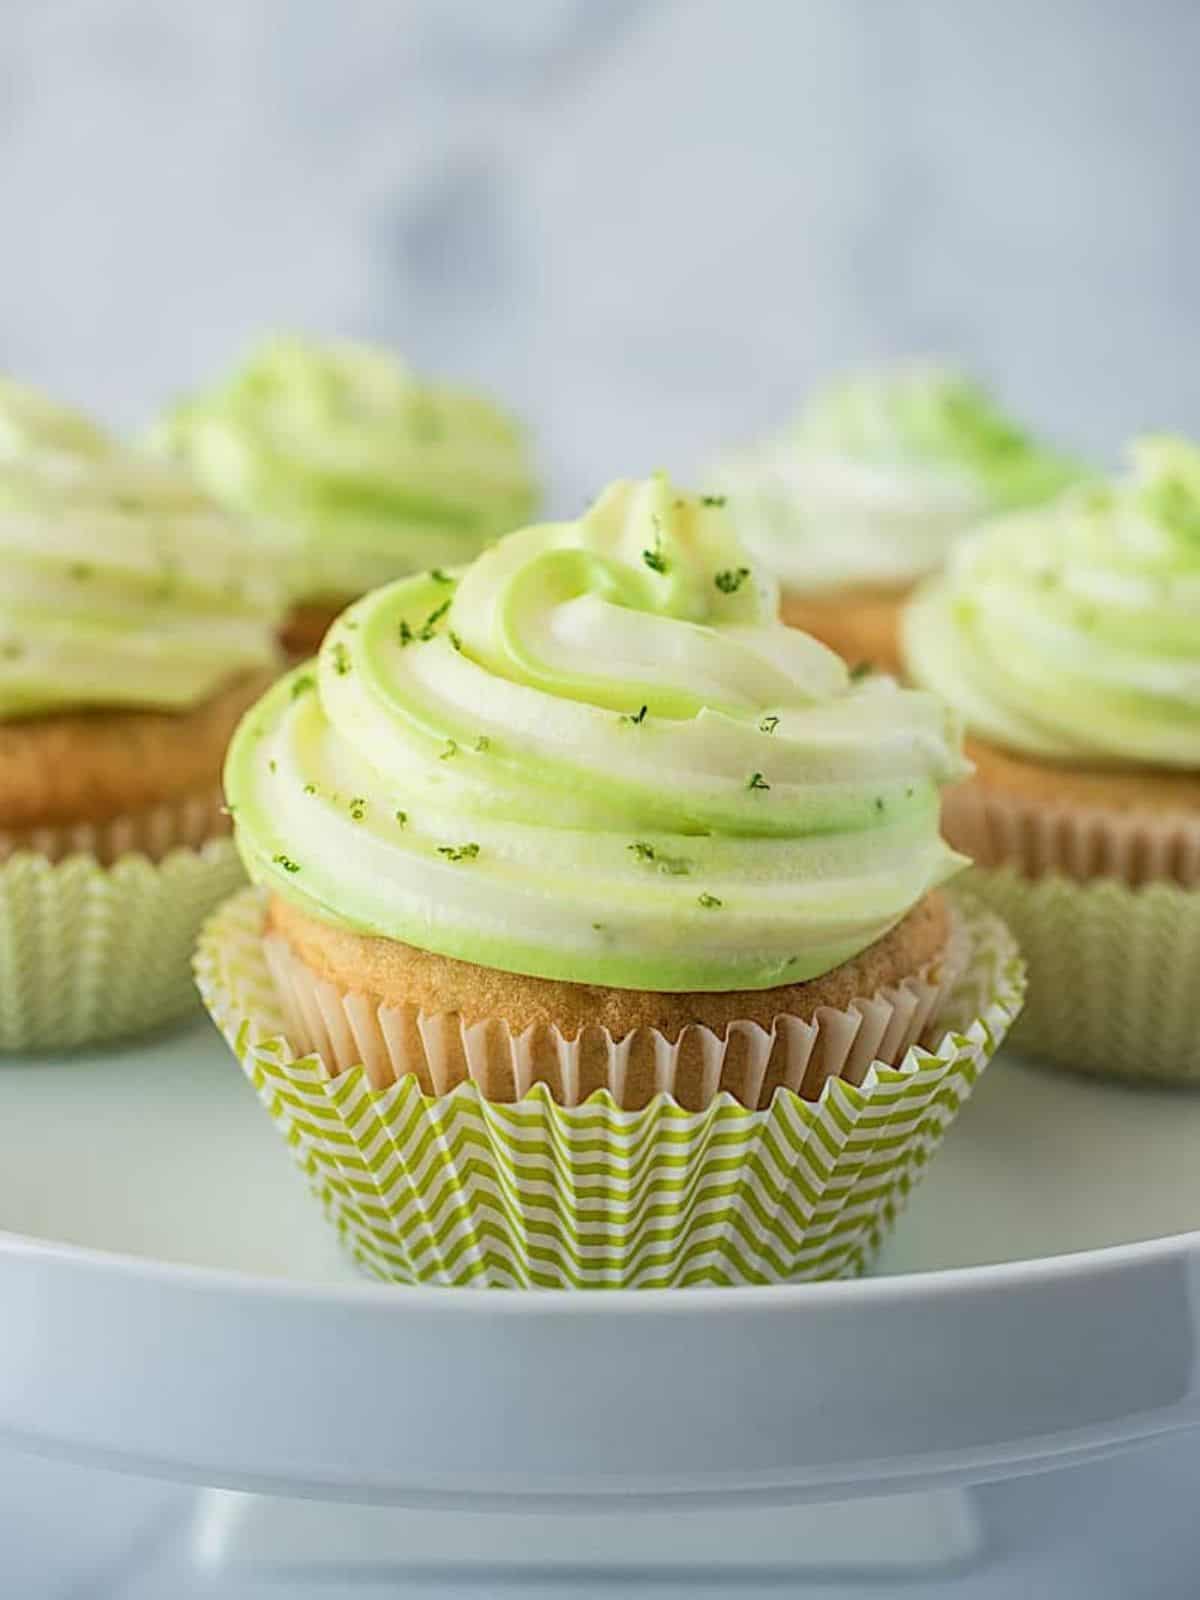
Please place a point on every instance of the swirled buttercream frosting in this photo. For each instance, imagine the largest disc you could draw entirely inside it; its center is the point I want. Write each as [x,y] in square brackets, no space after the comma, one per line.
[1072,633]
[879,475]
[598,756]
[121,584]
[361,470]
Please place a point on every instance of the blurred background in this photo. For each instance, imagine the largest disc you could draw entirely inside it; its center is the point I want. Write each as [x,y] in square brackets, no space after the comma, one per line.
[649,224]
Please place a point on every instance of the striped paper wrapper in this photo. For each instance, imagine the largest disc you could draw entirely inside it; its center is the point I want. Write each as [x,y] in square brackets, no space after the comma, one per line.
[90,953]
[188,822]
[1113,971]
[455,1188]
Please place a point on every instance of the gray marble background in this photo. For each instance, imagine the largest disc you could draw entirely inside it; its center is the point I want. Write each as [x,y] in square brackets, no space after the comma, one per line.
[649,223]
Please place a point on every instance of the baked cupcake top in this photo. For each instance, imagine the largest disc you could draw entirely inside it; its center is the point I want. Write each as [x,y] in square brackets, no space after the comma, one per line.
[1072,633]
[362,470]
[121,584]
[597,756]
[879,475]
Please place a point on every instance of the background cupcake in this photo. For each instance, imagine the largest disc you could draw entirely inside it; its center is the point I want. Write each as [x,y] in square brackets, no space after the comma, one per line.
[869,488]
[353,467]
[1068,639]
[588,847]
[134,632]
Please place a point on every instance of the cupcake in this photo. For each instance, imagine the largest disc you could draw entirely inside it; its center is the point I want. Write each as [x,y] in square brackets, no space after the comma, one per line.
[599,935]
[868,490]
[134,633]
[1067,638]
[354,470]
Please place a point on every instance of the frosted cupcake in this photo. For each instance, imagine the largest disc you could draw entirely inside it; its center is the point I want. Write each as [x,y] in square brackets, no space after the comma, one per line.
[869,489]
[1068,640]
[355,469]
[587,846]
[134,632]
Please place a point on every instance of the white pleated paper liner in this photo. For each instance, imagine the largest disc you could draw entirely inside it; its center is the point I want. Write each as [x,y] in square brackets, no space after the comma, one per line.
[1113,971]
[348,1029]
[90,953]
[1085,843]
[458,1189]
[188,822]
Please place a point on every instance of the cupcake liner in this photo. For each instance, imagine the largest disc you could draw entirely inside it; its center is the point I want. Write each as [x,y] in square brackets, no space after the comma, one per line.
[456,1188]
[441,1051]
[1080,842]
[186,823]
[90,953]
[1112,971]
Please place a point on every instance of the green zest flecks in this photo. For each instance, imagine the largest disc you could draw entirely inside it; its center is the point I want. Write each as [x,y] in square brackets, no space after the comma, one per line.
[361,470]
[121,584]
[1073,632]
[880,474]
[614,754]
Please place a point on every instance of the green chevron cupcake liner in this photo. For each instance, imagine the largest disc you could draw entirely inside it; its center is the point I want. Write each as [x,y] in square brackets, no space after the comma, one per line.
[1113,971]
[454,1188]
[90,952]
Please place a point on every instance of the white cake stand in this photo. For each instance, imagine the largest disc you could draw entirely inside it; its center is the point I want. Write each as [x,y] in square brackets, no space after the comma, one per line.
[172,1304]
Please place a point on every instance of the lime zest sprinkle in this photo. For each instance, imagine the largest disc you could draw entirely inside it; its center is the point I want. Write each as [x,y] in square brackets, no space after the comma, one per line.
[302,684]
[768,724]
[712,499]
[341,659]
[358,808]
[460,852]
[709,901]
[635,719]
[286,863]
[429,626]
[757,781]
[655,559]
[861,670]
[449,749]
[732,579]
[402,818]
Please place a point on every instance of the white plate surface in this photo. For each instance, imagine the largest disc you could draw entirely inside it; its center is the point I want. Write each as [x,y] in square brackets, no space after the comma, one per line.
[121,1174]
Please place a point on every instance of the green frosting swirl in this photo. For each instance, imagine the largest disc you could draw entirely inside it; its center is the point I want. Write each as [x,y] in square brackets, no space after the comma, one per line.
[120,583]
[597,756]
[362,470]
[1072,632]
[880,474]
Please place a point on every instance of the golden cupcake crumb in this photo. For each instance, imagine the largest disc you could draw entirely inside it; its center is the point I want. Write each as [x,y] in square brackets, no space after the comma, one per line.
[862,624]
[398,974]
[89,766]
[1115,789]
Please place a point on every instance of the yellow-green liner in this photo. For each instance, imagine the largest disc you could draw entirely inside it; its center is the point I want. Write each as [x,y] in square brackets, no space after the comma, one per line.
[456,1189]
[90,953]
[1113,972]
